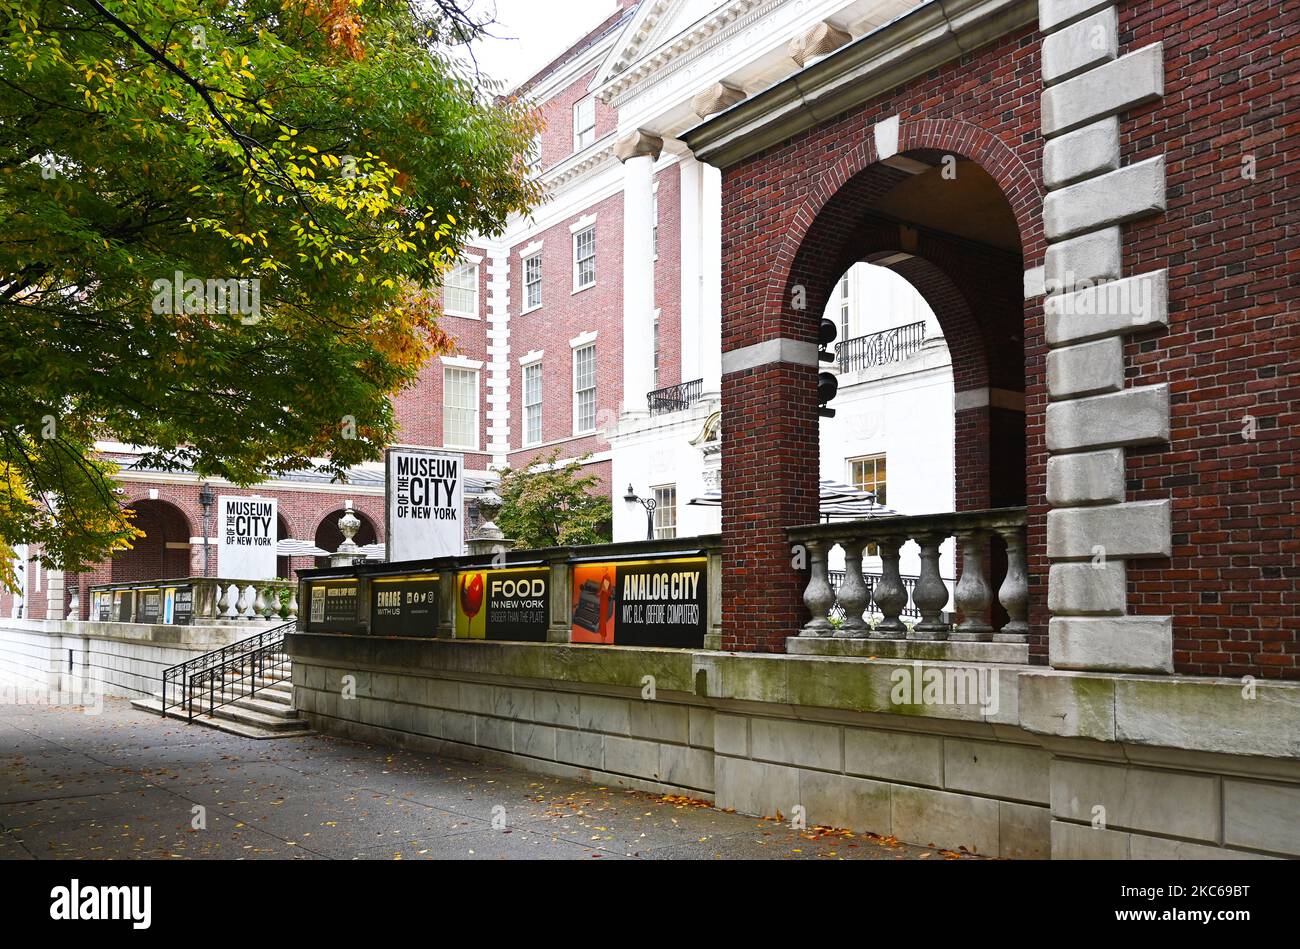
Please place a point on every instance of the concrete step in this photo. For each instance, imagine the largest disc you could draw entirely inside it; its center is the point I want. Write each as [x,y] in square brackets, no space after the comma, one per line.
[258,719]
[259,703]
[245,730]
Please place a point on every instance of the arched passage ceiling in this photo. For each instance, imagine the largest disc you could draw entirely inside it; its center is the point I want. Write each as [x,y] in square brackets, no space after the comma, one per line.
[968,205]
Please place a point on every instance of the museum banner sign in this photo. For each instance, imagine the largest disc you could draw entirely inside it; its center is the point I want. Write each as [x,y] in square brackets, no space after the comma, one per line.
[424,501]
[246,537]
[509,604]
[333,607]
[641,602]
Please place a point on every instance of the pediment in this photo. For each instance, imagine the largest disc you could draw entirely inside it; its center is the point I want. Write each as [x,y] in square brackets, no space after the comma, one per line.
[655,23]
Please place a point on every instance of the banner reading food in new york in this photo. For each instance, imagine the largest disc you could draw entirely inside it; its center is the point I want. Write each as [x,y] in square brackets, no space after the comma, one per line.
[641,603]
[246,537]
[509,605]
[423,503]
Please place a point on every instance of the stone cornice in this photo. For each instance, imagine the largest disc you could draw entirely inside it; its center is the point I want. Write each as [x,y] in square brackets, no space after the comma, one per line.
[577,166]
[897,52]
[724,22]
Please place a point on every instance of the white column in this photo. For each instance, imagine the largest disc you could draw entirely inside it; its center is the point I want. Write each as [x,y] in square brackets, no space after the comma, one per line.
[638,152]
[711,292]
[692,243]
[498,352]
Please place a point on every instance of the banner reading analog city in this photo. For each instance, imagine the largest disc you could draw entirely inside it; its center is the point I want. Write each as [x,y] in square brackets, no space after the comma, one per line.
[641,603]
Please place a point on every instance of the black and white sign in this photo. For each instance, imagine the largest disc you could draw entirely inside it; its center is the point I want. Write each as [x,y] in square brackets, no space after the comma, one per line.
[424,504]
[246,536]
[183,608]
[404,607]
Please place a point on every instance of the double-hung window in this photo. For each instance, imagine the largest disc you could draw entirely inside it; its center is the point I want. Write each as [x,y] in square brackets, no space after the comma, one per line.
[533,404]
[584,258]
[584,389]
[460,407]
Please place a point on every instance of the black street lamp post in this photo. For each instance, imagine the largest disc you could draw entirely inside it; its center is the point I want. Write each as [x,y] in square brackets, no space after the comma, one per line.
[649,504]
[206,500]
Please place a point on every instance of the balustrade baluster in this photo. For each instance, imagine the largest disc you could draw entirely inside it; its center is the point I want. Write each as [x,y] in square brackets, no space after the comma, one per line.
[889,592]
[232,602]
[930,595]
[293,603]
[853,594]
[818,597]
[246,599]
[973,594]
[1014,592]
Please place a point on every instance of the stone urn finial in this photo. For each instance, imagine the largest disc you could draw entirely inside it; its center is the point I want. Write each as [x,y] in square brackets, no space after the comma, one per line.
[487,538]
[348,552]
[349,524]
[489,506]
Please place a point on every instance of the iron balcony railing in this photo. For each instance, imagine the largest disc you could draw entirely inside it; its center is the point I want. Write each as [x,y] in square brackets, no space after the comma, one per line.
[226,675]
[880,349]
[675,398]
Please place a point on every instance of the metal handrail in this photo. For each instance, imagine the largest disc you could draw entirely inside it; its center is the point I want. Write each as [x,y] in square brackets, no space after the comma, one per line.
[227,674]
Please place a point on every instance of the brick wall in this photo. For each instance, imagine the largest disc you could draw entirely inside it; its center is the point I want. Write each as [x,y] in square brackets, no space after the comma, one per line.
[564,315]
[1230,245]
[793,217]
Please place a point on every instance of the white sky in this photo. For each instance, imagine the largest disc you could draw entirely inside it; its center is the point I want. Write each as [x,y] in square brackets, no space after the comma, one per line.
[530,33]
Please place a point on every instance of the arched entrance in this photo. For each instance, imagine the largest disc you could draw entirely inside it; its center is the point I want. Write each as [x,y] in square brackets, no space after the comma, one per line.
[163,553]
[328,536]
[951,213]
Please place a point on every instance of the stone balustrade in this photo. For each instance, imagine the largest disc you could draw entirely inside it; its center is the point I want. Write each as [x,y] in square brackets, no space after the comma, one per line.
[195,601]
[977,533]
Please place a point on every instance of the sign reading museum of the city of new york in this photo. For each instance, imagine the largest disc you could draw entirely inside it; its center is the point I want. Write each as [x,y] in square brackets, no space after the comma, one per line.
[246,537]
[423,503]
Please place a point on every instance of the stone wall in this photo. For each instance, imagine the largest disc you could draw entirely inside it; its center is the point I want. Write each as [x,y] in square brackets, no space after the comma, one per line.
[128,658]
[1063,764]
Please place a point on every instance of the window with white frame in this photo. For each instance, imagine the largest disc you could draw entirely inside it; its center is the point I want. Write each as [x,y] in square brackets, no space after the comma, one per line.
[460,291]
[868,474]
[656,349]
[654,226]
[533,404]
[584,258]
[665,513]
[459,407]
[845,306]
[584,123]
[533,282]
[584,389]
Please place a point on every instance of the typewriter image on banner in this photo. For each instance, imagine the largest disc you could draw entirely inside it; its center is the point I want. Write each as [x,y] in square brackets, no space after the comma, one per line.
[593,604]
[587,612]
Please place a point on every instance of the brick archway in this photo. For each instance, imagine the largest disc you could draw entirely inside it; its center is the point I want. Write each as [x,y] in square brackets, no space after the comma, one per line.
[163,553]
[776,293]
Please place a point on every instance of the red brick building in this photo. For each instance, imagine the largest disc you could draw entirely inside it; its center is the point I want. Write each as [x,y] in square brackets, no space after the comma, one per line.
[1096,200]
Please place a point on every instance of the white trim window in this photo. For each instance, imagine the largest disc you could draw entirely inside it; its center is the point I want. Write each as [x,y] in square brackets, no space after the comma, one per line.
[584,123]
[533,404]
[665,512]
[656,349]
[460,291]
[654,223]
[846,305]
[584,389]
[868,474]
[584,258]
[459,407]
[532,282]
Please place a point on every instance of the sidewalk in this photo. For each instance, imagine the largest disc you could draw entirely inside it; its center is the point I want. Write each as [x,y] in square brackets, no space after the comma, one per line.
[127,785]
